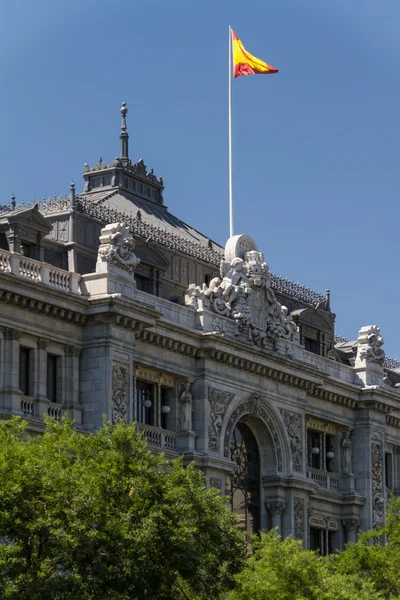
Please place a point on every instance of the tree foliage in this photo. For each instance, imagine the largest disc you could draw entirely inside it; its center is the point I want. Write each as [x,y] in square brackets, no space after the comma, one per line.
[376,555]
[100,516]
[283,570]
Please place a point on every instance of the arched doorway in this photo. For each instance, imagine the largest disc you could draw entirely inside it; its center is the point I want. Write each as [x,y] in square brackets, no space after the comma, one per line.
[244,483]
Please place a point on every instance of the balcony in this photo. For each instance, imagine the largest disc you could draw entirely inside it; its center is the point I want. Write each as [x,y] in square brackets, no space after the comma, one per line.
[157,438]
[33,270]
[326,480]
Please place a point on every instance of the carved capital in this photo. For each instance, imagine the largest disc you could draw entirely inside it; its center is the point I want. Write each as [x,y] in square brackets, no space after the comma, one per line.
[42,343]
[12,334]
[352,524]
[276,507]
[215,482]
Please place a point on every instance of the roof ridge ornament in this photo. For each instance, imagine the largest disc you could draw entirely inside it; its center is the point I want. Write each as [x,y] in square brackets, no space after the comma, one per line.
[124,137]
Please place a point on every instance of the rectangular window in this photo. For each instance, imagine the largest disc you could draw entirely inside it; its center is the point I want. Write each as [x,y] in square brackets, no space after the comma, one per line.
[321,541]
[389,470]
[144,402]
[53,365]
[312,345]
[24,370]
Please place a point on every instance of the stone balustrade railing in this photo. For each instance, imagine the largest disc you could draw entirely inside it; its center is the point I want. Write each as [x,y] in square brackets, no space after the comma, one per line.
[157,438]
[325,479]
[34,270]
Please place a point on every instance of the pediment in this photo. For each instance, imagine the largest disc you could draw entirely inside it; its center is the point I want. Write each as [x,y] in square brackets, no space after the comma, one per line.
[312,317]
[29,218]
[151,256]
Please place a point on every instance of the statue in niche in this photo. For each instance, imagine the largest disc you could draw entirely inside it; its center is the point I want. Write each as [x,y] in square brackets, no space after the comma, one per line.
[346,453]
[185,407]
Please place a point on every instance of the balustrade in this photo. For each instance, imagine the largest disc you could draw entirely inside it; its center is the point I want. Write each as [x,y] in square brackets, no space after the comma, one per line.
[325,479]
[27,268]
[161,439]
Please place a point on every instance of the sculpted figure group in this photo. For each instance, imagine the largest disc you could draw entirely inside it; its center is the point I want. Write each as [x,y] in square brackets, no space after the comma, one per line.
[243,292]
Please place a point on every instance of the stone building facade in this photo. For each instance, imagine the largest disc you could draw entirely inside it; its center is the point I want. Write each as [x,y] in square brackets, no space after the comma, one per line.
[110,305]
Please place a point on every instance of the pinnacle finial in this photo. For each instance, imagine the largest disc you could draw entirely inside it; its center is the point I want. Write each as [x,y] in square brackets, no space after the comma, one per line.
[13,202]
[124,134]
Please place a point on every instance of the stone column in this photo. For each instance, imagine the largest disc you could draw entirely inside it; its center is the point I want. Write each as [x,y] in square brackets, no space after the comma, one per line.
[40,387]
[351,526]
[276,509]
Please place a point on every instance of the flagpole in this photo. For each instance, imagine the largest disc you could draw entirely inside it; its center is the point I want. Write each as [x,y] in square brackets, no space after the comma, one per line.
[230,62]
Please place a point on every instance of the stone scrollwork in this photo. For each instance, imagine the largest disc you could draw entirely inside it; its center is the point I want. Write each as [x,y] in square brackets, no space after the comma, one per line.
[219,401]
[256,408]
[299,518]
[293,422]
[119,393]
[243,292]
[370,344]
[116,247]
[378,507]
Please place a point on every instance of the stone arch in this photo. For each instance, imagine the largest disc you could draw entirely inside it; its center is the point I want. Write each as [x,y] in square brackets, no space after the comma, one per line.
[263,421]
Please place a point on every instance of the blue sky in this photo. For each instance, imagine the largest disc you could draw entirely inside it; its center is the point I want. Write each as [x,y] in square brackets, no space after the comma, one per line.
[316,147]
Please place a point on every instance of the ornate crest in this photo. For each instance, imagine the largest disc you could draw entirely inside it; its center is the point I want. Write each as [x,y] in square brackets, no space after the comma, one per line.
[243,292]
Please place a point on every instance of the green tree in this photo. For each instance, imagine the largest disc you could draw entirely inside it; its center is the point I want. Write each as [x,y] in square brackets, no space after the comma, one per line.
[376,555]
[100,516]
[283,570]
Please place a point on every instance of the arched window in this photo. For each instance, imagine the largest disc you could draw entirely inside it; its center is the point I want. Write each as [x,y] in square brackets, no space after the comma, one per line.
[245,481]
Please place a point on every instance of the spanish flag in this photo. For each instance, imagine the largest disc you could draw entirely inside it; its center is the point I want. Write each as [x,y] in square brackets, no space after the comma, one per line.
[246,64]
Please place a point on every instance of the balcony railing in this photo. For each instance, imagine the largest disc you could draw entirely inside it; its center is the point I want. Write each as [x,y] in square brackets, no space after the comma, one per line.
[157,438]
[325,479]
[34,270]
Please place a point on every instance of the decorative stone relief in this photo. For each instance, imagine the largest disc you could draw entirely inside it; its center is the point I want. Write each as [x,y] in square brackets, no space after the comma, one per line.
[243,293]
[119,393]
[215,482]
[346,453]
[377,484]
[370,344]
[116,247]
[276,507]
[352,524]
[299,518]
[255,407]
[185,407]
[219,401]
[293,422]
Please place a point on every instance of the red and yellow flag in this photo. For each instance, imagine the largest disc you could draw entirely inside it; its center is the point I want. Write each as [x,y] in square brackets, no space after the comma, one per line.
[245,63]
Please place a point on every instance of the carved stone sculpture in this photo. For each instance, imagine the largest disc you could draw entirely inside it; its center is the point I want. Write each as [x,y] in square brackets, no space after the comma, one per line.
[116,247]
[346,453]
[119,393]
[370,344]
[293,422]
[243,293]
[185,407]
[219,401]
[298,518]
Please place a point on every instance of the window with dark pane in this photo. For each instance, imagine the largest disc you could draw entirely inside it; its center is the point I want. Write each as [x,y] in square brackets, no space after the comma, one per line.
[144,402]
[24,370]
[52,377]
